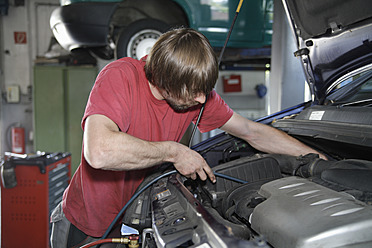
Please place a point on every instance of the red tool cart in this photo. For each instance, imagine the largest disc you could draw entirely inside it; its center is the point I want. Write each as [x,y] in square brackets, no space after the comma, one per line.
[32,186]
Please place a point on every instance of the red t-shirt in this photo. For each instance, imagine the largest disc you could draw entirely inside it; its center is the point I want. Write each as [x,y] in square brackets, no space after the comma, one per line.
[122,93]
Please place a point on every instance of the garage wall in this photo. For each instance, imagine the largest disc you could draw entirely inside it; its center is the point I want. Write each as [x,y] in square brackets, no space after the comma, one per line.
[31,19]
[287,80]
[25,34]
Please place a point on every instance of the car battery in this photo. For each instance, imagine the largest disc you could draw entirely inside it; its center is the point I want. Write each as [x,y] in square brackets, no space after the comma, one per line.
[32,186]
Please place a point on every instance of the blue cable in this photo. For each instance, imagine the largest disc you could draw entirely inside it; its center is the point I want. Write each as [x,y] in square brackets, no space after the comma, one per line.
[132,199]
[151,183]
[230,178]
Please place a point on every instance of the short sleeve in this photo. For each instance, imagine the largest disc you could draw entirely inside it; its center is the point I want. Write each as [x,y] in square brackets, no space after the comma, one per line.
[111,96]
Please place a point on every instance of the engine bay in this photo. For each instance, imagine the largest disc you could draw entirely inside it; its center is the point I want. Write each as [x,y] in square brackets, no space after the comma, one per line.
[269,200]
[295,201]
[261,200]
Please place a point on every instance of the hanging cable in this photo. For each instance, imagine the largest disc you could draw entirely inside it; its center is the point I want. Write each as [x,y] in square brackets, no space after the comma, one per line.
[219,62]
[197,121]
[230,30]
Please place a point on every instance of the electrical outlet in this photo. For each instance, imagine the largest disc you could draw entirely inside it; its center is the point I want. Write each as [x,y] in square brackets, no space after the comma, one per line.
[13,94]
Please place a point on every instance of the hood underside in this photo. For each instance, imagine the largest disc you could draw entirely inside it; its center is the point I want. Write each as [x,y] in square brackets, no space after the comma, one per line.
[319,18]
[333,38]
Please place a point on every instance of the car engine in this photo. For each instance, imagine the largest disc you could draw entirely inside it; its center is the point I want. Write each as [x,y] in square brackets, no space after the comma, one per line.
[261,200]
[301,213]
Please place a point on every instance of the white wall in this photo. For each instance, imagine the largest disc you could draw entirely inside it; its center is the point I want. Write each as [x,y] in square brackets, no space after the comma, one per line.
[287,79]
[246,103]
[17,62]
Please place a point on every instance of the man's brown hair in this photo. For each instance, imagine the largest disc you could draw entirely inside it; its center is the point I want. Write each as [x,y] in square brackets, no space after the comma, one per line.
[183,63]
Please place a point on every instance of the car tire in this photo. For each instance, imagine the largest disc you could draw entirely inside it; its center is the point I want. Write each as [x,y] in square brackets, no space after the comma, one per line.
[137,39]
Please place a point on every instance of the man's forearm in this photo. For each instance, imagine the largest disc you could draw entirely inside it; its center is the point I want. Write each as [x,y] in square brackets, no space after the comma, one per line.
[125,152]
[265,138]
[105,147]
[271,140]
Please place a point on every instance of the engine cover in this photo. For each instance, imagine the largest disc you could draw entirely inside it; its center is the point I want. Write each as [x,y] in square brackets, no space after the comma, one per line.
[301,213]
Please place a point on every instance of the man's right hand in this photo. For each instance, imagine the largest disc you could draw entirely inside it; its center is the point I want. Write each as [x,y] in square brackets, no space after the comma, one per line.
[190,163]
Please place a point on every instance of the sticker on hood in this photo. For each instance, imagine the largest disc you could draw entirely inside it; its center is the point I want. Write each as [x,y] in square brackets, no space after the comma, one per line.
[316,115]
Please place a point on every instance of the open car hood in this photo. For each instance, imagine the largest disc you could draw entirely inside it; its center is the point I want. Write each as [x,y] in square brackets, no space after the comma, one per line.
[333,38]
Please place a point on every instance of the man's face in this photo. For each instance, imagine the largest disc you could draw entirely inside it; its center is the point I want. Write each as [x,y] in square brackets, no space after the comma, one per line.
[180,104]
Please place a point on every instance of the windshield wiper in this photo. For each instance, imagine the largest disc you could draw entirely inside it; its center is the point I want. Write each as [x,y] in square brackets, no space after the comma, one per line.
[357,103]
[349,89]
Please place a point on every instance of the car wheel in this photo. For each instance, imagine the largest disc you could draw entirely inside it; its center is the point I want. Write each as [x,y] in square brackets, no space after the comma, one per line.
[137,39]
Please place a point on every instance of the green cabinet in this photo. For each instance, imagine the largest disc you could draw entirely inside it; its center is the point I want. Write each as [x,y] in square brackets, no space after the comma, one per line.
[60,95]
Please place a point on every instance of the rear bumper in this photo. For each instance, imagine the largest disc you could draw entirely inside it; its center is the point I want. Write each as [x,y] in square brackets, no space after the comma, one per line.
[82,25]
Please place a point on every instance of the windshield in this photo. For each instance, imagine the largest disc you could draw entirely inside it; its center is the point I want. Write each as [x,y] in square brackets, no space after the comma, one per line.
[353,90]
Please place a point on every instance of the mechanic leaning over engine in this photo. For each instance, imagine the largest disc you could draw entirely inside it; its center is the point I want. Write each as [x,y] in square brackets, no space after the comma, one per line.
[137,112]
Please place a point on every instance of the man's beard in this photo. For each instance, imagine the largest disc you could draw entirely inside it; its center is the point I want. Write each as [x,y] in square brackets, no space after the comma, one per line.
[180,107]
[177,107]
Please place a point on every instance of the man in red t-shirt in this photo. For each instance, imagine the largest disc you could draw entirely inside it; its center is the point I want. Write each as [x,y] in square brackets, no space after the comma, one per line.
[137,112]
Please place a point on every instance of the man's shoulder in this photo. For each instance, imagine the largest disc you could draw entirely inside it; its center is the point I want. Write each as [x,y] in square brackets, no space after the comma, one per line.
[125,63]
[125,67]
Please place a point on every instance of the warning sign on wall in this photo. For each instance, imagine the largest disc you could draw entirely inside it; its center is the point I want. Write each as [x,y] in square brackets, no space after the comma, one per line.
[232,83]
[20,38]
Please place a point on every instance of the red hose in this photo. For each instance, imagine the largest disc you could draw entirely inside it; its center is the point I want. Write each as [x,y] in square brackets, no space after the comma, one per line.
[101,241]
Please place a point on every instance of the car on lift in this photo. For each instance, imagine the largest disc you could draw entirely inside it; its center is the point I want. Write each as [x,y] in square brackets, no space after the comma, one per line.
[121,28]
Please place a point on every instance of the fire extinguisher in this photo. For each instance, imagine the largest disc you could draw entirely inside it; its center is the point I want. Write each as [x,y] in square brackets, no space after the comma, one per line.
[18,140]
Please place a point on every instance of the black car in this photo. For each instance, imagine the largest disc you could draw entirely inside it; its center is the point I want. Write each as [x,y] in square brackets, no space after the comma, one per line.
[281,201]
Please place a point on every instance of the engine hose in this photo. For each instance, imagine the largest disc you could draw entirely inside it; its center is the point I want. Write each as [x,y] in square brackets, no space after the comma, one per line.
[241,231]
